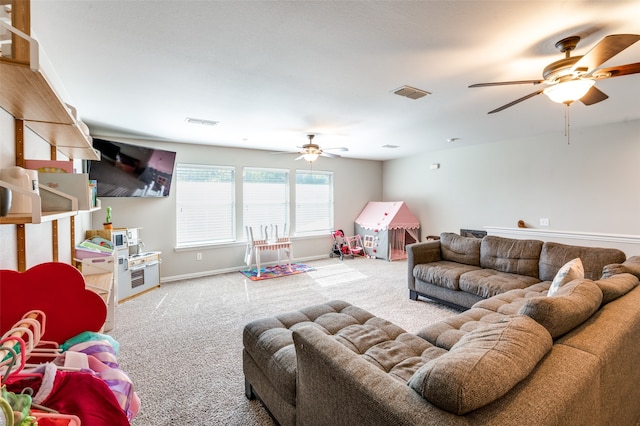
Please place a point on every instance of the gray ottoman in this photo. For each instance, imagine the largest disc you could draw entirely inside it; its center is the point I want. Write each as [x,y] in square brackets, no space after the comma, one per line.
[269,359]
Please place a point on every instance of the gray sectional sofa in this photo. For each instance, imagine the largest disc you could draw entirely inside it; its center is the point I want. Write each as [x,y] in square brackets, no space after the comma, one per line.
[521,356]
[460,271]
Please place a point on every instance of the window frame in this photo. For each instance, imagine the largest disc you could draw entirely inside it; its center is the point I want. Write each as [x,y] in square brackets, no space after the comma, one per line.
[283,223]
[183,237]
[329,210]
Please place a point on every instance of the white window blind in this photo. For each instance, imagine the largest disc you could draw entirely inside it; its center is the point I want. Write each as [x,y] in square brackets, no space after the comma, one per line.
[265,194]
[205,202]
[314,202]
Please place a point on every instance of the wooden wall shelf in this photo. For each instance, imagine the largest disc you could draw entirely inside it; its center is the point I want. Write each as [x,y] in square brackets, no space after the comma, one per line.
[37,215]
[27,95]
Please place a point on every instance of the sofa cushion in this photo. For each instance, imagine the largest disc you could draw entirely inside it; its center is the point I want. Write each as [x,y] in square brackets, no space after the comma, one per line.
[510,255]
[442,273]
[488,282]
[573,304]
[446,333]
[456,248]
[629,266]
[594,259]
[571,270]
[484,365]
[616,286]
[509,303]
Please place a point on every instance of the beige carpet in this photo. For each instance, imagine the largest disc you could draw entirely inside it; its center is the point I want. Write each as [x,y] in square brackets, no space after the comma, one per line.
[181,344]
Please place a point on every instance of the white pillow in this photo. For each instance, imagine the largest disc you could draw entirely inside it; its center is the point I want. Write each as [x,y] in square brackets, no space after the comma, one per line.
[571,270]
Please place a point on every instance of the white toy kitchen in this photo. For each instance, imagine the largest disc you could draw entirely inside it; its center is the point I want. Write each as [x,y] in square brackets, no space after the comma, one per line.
[138,270]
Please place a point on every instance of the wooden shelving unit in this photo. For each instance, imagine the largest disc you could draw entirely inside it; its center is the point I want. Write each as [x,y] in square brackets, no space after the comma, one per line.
[26,94]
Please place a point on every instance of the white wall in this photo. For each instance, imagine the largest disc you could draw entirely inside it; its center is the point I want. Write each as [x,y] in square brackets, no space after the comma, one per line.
[355,183]
[589,185]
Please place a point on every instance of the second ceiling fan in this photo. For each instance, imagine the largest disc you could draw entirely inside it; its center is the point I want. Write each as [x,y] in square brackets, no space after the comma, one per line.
[311,151]
[573,78]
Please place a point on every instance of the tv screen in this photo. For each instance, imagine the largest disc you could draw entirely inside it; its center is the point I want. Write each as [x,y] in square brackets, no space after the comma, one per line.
[126,170]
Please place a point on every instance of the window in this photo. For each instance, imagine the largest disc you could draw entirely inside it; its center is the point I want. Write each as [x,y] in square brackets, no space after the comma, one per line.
[314,202]
[265,199]
[205,202]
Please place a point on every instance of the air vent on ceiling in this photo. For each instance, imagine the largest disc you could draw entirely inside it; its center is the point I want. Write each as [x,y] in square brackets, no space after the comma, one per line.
[411,92]
[201,121]
[390,146]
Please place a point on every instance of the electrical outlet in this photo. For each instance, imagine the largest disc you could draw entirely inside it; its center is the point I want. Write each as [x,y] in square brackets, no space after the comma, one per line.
[544,221]
[198,256]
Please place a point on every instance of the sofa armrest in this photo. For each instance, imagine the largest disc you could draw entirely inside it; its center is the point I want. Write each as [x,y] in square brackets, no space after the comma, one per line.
[419,253]
[337,387]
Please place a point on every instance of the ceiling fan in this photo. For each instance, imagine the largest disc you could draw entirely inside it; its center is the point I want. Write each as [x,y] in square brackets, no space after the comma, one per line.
[311,151]
[573,78]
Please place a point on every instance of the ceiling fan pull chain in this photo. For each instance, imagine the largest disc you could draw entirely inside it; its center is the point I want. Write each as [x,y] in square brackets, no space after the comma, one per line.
[567,124]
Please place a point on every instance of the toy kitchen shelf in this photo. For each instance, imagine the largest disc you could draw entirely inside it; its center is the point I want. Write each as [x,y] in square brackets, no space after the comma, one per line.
[26,94]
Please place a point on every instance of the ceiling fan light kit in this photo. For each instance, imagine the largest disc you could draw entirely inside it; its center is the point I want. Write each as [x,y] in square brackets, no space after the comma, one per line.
[310,156]
[568,91]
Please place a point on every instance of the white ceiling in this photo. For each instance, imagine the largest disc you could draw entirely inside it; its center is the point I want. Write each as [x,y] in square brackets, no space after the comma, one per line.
[272,71]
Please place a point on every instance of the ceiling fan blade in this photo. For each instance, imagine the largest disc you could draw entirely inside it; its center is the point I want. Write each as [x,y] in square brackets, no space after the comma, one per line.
[517,101]
[593,96]
[330,155]
[340,148]
[617,71]
[283,152]
[606,49]
[300,157]
[507,83]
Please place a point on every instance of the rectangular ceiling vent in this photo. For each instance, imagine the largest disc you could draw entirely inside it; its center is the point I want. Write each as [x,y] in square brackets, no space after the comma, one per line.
[411,92]
[201,121]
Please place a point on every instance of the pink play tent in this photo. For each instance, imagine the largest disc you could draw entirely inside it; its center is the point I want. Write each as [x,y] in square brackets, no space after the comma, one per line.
[386,228]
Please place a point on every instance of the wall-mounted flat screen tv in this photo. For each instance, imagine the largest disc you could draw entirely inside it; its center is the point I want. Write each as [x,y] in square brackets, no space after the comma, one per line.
[126,170]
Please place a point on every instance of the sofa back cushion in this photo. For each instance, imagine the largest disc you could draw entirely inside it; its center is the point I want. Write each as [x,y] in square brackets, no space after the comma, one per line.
[511,255]
[629,266]
[594,259]
[456,248]
[484,365]
[569,307]
[616,286]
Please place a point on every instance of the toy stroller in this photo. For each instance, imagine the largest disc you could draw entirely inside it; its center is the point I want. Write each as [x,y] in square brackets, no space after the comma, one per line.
[345,246]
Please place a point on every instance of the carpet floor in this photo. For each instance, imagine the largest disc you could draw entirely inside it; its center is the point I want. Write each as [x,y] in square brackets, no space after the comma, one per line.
[181,344]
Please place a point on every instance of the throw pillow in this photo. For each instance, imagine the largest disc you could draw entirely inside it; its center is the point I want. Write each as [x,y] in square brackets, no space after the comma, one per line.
[484,365]
[571,270]
[572,305]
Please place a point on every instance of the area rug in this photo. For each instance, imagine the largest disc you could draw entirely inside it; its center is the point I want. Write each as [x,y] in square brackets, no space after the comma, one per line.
[277,271]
